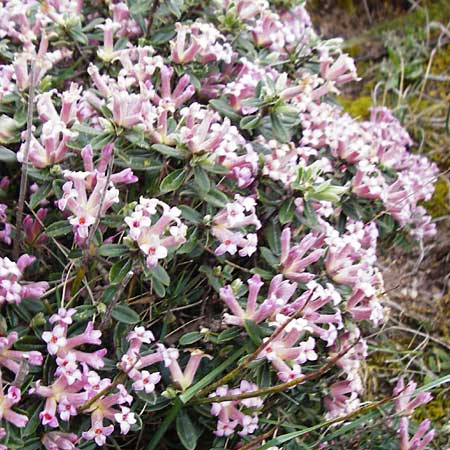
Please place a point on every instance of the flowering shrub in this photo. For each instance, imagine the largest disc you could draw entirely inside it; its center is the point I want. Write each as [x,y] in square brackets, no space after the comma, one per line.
[199,246]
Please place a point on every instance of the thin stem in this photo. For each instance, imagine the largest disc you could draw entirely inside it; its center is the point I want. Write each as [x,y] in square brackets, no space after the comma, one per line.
[280,387]
[151,17]
[115,299]
[24,175]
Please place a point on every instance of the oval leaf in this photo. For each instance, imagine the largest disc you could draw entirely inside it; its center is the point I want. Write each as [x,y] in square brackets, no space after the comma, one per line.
[125,314]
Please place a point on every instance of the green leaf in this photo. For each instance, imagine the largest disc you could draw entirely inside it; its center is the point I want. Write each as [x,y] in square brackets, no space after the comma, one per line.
[202,179]
[223,107]
[159,288]
[186,431]
[190,214]
[78,35]
[113,250]
[273,234]
[7,155]
[41,194]
[169,151]
[160,274]
[60,228]
[253,331]
[250,122]
[216,198]
[215,168]
[228,335]
[163,35]
[190,338]
[173,181]
[310,214]
[119,270]
[170,417]
[269,257]
[278,128]
[86,129]
[287,211]
[101,140]
[124,314]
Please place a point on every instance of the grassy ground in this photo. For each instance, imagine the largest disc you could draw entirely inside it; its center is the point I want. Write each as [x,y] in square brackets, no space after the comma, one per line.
[402,49]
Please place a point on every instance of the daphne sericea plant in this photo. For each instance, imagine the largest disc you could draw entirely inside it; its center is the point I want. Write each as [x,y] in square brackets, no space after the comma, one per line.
[196,260]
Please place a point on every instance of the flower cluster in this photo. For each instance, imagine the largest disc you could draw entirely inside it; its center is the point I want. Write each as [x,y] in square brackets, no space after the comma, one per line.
[230,414]
[225,225]
[12,288]
[155,238]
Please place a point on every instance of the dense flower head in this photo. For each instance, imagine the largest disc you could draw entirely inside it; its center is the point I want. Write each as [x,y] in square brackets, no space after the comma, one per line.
[237,215]
[156,227]
[230,414]
[12,288]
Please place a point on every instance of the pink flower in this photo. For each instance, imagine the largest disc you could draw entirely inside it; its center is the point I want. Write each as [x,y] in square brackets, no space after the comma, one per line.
[6,228]
[51,147]
[56,440]
[7,401]
[12,288]
[420,439]
[229,413]
[125,418]
[154,239]
[279,294]
[146,381]
[340,71]
[98,433]
[293,259]
[185,378]
[11,358]
[237,215]
[34,233]
[55,339]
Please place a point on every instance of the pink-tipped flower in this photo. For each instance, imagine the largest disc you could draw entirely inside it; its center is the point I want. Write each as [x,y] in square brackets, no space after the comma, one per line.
[279,294]
[86,209]
[236,216]
[125,419]
[6,228]
[184,379]
[65,348]
[11,359]
[12,288]
[34,233]
[51,147]
[230,414]
[57,440]
[7,400]
[154,235]
[343,398]
[98,432]
[293,259]
[202,131]
[201,42]
[129,109]
[405,404]
[107,53]
[340,71]
[283,352]
[421,438]
[169,99]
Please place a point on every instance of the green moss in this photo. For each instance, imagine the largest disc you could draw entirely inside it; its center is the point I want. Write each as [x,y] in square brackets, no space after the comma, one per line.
[439,204]
[358,107]
[437,10]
